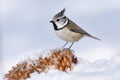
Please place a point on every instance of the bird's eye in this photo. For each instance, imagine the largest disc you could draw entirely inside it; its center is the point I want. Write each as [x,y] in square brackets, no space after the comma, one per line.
[57,19]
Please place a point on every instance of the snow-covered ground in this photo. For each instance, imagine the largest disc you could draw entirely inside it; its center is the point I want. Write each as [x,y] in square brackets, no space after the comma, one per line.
[85,70]
[1,76]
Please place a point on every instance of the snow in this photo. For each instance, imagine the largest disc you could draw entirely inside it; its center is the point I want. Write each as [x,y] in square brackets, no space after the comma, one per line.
[1,76]
[85,70]
[101,69]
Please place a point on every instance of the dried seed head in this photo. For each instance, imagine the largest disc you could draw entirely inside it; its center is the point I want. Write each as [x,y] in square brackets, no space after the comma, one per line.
[68,64]
[74,60]
[57,66]
[62,60]
[31,66]
[69,55]
[59,57]
[63,64]
[19,74]
[26,75]
[58,62]
[62,68]
[15,75]
[65,59]
[45,61]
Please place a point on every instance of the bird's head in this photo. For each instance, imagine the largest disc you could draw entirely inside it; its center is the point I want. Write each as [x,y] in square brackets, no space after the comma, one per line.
[59,20]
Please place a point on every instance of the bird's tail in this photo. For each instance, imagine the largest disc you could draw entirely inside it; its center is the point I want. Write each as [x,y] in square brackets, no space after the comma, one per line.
[95,37]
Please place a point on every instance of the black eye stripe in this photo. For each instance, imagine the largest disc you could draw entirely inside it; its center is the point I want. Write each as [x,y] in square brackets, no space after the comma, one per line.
[61,18]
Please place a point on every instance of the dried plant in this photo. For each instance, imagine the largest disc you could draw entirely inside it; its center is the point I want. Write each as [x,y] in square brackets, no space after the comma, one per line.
[62,60]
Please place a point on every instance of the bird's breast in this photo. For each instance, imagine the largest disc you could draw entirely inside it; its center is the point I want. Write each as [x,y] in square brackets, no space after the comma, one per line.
[68,36]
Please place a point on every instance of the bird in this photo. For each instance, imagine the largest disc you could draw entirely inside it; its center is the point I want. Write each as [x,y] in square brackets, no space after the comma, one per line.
[67,30]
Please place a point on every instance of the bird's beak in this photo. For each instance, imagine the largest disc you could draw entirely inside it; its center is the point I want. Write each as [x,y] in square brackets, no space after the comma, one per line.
[51,21]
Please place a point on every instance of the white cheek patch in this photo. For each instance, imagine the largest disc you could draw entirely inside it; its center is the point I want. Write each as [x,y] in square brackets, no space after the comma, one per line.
[61,24]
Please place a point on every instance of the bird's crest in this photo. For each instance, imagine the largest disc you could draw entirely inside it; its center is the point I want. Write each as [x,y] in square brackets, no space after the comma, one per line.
[60,14]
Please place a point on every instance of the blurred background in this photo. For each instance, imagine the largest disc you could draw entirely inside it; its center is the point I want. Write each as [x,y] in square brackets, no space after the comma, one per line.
[25,27]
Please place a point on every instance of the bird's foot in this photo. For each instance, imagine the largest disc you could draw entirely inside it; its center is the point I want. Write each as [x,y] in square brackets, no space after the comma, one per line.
[68,49]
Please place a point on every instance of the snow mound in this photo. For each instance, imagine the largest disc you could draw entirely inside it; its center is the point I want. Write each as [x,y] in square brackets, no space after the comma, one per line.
[85,70]
[62,60]
[1,76]
[81,70]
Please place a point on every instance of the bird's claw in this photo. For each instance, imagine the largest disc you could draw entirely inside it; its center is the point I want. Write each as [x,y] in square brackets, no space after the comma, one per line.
[68,49]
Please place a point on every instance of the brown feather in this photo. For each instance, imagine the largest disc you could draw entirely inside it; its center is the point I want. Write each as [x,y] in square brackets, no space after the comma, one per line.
[75,28]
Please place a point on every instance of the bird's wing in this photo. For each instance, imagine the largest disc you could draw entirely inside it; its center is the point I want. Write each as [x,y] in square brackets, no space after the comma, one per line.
[75,28]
